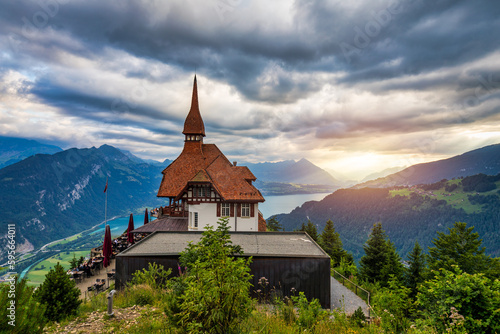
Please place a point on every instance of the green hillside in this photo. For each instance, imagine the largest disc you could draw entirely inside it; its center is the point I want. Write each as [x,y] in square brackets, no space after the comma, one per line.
[408,214]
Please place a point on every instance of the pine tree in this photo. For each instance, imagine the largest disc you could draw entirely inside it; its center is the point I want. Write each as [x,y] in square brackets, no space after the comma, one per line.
[29,313]
[461,247]
[273,224]
[414,274]
[393,265]
[310,228]
[381,259]
[332,245]
[59,294]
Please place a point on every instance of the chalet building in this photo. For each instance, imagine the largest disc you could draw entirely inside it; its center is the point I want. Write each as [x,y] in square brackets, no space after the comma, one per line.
[202,186]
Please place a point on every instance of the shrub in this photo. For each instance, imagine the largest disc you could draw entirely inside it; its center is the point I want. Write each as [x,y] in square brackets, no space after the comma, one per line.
[451,295]
[358,317]
[216,290]
[59,294]
[310,313]
[140,295]
[29,313]
[394,306]
[285,310]
[155,276]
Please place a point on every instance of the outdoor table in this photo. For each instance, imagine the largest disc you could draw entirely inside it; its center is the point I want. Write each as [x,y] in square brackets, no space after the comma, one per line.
[77,275]
[98,264]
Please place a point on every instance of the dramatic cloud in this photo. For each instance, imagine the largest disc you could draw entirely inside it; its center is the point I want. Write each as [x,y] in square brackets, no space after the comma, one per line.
[352,86]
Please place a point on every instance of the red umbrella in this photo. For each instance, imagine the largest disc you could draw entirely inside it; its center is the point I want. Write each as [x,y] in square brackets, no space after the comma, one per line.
[106,247]
[130,236]
[146,220]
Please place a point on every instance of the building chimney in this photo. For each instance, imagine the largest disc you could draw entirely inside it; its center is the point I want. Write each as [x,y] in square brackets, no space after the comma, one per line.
[234,163]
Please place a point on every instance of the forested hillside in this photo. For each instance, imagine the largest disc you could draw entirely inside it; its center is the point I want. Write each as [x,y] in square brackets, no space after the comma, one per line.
[407,214]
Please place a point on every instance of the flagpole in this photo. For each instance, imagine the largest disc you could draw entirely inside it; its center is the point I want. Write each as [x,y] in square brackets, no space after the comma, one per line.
[106,205]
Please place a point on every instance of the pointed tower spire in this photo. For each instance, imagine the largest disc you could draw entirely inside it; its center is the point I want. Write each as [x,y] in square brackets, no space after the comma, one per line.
[193,126]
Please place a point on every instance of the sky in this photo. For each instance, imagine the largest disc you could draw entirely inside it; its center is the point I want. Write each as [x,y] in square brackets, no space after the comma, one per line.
[353,86]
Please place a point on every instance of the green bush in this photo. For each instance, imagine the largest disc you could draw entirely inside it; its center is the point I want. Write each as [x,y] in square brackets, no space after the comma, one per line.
[394,306]
[285,310]
[141,295]
[310,313]
[59,294]
[215,291]
[358,317]
[451,295]
[155,276]
[172,307]
[29,313]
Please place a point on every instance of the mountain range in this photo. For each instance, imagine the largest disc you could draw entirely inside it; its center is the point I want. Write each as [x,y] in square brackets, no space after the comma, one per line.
[290,171]
[415,203]
[484,160]
[53,196]
[14,149]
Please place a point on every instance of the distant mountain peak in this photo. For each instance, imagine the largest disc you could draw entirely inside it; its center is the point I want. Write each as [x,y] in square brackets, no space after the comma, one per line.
[14,149]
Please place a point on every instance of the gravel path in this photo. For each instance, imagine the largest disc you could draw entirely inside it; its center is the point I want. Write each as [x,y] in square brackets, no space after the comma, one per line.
[343,298]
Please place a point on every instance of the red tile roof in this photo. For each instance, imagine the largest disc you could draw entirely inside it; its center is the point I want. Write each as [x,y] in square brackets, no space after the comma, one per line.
[200,162]
[209,164]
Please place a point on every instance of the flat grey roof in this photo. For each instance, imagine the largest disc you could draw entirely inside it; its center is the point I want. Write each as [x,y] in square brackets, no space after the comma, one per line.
[270,244]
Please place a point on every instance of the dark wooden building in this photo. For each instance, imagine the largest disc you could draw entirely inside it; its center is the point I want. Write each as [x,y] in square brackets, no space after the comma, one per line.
[286,259]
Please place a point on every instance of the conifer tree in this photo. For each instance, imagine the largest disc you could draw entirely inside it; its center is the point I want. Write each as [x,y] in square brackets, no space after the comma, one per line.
[28,316]
[415,272]
[393,264]
[310,228]
[380,259]
[332,245]
[461,247]
[273,224]
[59,294]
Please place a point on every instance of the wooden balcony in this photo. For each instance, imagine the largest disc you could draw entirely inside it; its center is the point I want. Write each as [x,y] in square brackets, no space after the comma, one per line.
[170,211]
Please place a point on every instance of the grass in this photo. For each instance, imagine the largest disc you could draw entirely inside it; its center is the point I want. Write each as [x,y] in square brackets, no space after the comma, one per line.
[458,199]
[66,240]
[400,192]
[36,275]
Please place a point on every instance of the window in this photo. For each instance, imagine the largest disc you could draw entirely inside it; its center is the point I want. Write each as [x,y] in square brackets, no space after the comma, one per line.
[245,210]
[201,192]
[225,209]
[195,219]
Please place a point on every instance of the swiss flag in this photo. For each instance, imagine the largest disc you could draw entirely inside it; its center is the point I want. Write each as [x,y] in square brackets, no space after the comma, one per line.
[106,187]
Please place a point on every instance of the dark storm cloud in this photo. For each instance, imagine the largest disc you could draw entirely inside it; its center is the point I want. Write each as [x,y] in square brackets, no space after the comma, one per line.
[386,40]
[424,34]
[103,109]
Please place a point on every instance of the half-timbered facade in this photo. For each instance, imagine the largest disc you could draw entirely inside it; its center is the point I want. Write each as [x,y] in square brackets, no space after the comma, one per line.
[202,185]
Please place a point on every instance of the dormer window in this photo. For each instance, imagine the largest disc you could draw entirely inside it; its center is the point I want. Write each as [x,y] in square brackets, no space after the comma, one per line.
[202,191]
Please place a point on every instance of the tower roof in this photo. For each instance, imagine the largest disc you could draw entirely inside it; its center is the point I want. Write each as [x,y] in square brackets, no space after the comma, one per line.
[194,123]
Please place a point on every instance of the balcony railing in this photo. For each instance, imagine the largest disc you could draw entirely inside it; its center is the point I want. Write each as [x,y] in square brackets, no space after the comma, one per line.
[170,211]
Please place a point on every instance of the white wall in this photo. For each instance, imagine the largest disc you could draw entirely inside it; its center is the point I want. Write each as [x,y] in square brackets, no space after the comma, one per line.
[207,215]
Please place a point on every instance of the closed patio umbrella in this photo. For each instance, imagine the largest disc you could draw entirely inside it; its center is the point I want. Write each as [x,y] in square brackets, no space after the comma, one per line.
[146,220]
[106,247]
[130,236]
